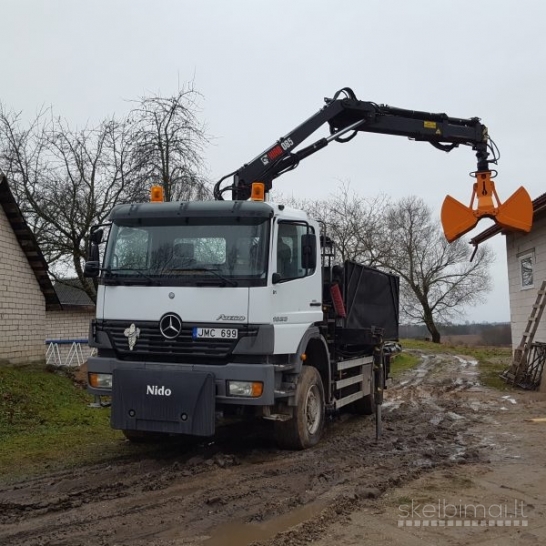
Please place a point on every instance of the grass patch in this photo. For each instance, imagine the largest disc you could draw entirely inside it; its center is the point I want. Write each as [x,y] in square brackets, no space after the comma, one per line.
[45,423]
[421,345]
[402,363]
[490,375]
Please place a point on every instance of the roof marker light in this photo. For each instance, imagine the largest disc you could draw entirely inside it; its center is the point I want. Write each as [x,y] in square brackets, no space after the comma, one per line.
[258,191]
[156,194]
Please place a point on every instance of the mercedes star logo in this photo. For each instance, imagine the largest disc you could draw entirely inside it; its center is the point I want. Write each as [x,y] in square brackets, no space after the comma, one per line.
[170,325]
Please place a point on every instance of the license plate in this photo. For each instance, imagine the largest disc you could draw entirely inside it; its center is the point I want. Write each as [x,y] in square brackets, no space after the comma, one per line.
[215,333]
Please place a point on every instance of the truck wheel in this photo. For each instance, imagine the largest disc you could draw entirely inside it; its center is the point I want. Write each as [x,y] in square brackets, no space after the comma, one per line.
[143,437]
[305,428]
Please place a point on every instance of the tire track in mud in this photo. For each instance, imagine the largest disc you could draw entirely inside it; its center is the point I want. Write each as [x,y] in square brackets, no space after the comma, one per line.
[183,494]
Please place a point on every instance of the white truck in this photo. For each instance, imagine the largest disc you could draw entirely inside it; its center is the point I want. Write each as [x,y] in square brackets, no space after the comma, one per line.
[237,308]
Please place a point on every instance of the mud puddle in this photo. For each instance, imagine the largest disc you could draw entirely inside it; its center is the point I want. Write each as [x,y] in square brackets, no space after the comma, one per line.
[242,534]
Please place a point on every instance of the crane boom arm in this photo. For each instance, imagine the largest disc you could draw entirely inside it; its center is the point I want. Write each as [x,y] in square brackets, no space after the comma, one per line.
[346,116]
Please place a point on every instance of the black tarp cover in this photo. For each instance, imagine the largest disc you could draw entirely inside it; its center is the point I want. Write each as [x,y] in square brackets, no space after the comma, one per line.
[371,299]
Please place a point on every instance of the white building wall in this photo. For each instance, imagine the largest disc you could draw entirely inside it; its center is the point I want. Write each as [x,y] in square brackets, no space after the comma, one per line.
[69,324]
[22,304]
[522,299]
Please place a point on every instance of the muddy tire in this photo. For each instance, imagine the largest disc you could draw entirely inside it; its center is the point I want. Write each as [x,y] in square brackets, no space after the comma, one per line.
[143,437]
[305,428]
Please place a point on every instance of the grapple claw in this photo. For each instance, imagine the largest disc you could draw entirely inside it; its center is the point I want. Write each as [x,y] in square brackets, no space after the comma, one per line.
[457,219]
[516,214]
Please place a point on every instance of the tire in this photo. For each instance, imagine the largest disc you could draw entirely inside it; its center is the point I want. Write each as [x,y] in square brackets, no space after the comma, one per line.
[143,437]
[305,428]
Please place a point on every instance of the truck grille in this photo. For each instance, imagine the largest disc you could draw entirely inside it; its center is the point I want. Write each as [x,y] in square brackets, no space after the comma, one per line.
[151,345]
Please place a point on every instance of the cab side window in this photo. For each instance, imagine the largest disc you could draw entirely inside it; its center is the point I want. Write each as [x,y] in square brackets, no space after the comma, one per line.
[289,250]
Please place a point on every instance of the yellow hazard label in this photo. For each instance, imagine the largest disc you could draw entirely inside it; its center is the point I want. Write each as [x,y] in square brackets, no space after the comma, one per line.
[430,124]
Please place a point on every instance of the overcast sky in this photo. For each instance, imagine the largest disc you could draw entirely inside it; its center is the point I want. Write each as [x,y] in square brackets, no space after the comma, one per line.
[263,67]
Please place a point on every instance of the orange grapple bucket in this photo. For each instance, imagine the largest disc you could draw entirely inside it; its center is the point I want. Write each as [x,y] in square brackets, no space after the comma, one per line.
[516,214]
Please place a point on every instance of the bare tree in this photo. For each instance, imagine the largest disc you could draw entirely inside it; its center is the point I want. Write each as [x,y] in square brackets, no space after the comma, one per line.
[169,143]
[65,181]
[351,221]
[437,278]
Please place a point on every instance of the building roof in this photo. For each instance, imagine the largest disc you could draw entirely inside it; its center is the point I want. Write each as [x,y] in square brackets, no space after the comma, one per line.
[71,293]
[539,208]
[28,244]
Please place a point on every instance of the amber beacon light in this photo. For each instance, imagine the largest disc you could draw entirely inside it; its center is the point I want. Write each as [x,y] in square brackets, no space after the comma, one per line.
[156,194]
[257,191]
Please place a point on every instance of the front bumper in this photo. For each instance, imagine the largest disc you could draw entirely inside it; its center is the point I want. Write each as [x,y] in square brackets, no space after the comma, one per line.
[174,402]
[266,373]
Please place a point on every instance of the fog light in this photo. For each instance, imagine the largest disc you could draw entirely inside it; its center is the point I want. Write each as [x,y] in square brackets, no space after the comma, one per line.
[100,380]
[251,389]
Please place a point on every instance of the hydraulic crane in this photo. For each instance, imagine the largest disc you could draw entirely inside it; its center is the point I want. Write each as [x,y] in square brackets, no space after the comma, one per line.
[235,309]
[346,116]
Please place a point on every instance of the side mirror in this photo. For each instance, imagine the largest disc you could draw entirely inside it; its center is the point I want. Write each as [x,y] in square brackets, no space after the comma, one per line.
[94,252]
[309,251]
[91,269]
[95,239]
[92,266]
[96,236]
[276,278]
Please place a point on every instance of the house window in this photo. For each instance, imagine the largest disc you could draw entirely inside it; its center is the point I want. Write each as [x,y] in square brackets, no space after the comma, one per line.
[526,265]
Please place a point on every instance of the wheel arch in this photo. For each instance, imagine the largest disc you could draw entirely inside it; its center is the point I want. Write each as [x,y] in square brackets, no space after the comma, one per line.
[315,349]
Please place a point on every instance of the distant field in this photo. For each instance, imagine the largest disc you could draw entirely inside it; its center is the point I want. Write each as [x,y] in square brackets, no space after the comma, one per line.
[470,340]
[466,340]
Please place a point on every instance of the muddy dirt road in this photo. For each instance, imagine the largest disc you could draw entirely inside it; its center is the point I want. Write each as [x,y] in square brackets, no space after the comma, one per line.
[440,427]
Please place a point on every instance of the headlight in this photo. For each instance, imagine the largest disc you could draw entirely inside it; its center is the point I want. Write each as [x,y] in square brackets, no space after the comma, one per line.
[100,380]
[251,389]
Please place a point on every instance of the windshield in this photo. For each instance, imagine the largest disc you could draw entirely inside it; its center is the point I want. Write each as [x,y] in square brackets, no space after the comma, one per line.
[217,251]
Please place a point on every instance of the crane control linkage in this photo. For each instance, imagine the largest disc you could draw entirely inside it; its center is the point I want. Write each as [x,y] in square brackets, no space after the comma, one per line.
[346,116]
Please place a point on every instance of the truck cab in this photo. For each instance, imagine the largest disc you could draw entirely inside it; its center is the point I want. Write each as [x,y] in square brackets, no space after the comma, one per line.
[204,309]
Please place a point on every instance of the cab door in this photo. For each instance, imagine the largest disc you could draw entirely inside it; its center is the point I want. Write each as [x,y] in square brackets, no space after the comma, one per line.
[297,290]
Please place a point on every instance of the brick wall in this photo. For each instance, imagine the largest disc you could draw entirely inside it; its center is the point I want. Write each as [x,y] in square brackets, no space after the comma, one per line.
[22,304]
[70,323]
[522,299]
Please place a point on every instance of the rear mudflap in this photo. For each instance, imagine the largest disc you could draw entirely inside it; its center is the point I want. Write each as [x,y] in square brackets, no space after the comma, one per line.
[176,402]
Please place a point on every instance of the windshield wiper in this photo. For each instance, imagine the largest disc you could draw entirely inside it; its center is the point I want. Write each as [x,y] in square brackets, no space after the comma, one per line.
[208,270]
[133,270]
